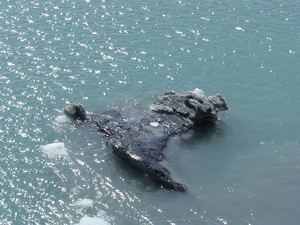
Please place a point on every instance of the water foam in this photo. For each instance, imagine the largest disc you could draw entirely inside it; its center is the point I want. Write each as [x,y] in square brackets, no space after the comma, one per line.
[61,119]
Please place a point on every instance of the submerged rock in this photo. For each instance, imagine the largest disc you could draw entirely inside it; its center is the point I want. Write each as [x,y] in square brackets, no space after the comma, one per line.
[140,143]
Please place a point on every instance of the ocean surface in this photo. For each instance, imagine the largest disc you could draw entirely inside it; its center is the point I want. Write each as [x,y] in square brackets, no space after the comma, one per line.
[123,55]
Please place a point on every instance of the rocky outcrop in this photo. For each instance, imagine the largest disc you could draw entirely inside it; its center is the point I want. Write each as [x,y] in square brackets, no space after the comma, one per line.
[140,143]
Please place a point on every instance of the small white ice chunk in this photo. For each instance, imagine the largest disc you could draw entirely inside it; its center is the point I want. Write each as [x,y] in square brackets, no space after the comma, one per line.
[84,202]
[154,124]
[199,93]
[55,149]
[93,221]
[239,28]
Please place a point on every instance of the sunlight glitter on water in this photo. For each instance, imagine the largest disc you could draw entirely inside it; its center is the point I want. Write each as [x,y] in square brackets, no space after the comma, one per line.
[114,54]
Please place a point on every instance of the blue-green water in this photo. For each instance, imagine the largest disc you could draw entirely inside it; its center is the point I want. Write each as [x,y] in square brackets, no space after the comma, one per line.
[120,54]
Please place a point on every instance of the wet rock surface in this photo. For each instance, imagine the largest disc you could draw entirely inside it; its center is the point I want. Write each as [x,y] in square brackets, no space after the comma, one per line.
[140,143]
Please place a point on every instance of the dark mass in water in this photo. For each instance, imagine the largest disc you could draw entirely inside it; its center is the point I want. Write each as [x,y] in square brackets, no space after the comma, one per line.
[140,143]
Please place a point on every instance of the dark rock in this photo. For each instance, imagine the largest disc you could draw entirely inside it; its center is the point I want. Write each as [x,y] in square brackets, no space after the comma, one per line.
[75,112]
[140,143]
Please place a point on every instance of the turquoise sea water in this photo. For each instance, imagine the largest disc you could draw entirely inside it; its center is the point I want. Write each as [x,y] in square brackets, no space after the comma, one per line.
[124,54]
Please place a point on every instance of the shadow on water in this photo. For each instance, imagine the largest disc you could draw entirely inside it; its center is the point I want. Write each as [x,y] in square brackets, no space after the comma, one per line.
[198,156]
[208,133]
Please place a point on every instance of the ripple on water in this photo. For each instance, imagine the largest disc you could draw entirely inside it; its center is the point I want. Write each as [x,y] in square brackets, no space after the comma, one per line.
[108,53]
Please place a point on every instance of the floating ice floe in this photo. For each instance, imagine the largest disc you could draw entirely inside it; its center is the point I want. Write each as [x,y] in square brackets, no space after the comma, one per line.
[92,221]
[84,202]
[55,149]
[239,28]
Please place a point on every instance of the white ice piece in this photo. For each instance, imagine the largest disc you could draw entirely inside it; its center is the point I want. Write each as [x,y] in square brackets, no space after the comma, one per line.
[154,124]
[84,202]
[55,149]
[199,93]
[93,221]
